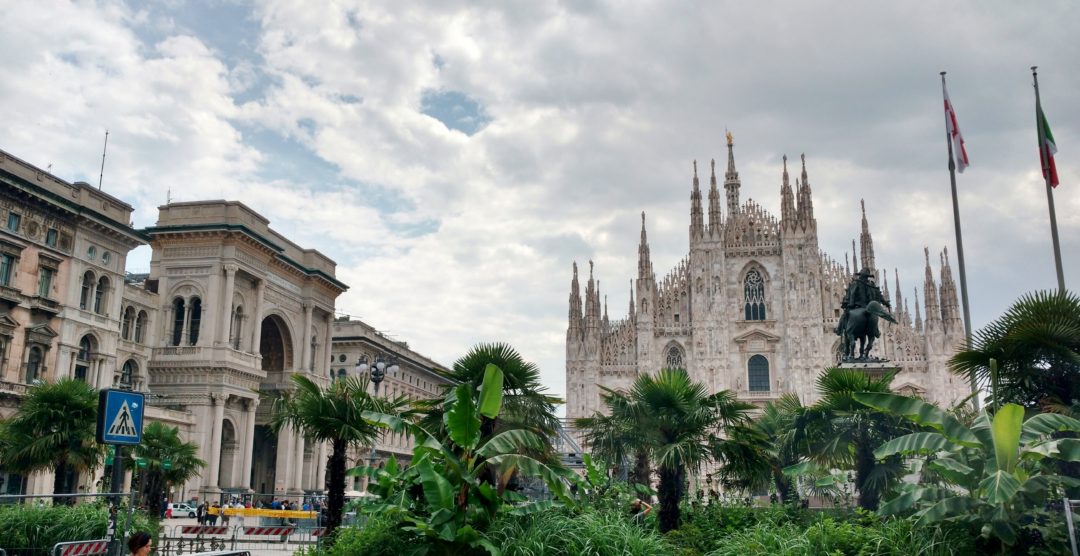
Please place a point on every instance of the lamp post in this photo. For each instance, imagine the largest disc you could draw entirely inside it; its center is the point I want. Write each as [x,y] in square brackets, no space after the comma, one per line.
[382,365]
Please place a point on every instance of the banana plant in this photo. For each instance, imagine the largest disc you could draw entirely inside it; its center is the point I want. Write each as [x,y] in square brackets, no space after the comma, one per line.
[990,473]
[452,489]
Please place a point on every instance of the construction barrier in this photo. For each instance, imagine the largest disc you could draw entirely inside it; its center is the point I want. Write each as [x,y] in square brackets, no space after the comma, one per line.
[81,548]
[204,529]
[262,512]
[275,531]
[316,532]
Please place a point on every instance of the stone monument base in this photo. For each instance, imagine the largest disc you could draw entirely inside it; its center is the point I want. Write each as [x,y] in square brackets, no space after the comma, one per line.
[876,368]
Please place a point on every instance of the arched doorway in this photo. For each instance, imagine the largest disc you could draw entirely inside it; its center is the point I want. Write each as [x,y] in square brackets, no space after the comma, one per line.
[229,450]
[275,347]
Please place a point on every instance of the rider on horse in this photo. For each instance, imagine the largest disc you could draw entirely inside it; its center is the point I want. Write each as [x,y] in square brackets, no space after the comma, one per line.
[859,294]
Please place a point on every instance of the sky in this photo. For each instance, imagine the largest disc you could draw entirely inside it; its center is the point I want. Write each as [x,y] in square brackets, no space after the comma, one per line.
[455,158]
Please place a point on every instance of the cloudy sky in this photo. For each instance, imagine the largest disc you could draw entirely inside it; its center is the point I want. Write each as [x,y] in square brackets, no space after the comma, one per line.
[455,158]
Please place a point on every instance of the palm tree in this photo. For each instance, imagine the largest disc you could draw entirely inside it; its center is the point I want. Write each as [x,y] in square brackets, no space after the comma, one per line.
[840,432]
[165,459]
[343,414]
[54,430]
[755,455]
[683,426]
[1037,346]
[617,437]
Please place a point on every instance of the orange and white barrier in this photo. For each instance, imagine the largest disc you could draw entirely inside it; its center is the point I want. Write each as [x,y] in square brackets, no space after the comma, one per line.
[81,548]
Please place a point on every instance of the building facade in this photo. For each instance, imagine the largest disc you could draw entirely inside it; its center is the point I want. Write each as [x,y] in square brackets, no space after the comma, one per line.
[752,308]
[229,310]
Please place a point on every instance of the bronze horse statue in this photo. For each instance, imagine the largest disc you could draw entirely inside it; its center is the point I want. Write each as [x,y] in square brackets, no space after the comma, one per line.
[862,326]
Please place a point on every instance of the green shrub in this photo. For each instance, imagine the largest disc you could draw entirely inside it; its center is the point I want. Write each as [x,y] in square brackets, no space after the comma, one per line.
[567,532]
[27,529]
[380,536]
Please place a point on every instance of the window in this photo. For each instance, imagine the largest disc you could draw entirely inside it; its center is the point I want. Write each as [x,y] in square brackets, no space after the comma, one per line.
[45,279]
[101,295]
[341,358]
[13,221]
[178,321]
[82,363]
[7,266]
[140,326]
[674,359]
[196,319]
[50,237]
[754,290]
[341,374]
[33,364]
[314,346]
[106,257]
[758,373]
[237,326]
[127,373]
[91,253]
[85,294]
[126,323]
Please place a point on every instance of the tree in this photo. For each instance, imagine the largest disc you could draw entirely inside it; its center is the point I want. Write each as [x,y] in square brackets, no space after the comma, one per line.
[840,432]
[164,460]
[683,426]
[1037,346]
[755,455]
[54,430]
[343,414]
[617,437]
[995,475]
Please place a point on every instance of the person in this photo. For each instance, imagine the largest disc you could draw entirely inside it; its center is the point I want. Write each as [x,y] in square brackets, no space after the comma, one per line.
[200,513]
[636,512]
[225,516]
[139,544]
[211,514]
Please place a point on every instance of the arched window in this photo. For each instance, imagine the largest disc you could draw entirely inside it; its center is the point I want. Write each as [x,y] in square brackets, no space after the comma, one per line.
[236,329]
[178,321]
[127,373]
[314,346]
[33,364]
[196,318]
[140,326]
[754,290]
[87,291]
[82,363]
[341,374]
[674,359]
[127,322]
[757,370]
[101,295]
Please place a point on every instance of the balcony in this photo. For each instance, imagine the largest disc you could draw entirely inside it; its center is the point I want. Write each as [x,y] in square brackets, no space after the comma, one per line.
[760,396]
[218,356]
[45,305]
[12,388]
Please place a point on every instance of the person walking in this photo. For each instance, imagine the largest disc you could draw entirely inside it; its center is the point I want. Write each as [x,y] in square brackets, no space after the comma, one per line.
[140,544]
[200,513]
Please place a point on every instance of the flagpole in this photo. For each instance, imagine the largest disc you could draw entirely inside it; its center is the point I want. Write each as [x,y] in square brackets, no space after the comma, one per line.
[1039,122]
[959,245]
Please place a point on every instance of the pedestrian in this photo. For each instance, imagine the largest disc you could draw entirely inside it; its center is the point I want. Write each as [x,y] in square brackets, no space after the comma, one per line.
[212,514]
[139,544]
[200,513]
[224,514]
[242,510]
[638,510]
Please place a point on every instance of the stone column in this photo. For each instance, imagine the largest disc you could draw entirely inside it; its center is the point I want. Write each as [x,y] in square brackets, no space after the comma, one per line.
[298,464]
[226,303]
[256,317]
[185,333]
[214,466]
[328,342]
[320,468]
[166,327]
[249,443]
[305,357]
[284,460]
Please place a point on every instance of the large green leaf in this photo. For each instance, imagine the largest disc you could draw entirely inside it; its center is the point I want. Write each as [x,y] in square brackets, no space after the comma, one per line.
[1046,423]
[954,471]
[999,487]
[437,490]
[510,441]
[912,499]
[1065,449]
[945,509]
[915,443]
[530,467]
[1006,430]
[491,392]
[921,413]
[534,507]
[461,420]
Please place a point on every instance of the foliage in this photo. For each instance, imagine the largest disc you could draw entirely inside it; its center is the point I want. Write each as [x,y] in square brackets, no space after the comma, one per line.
[1037,346]
[839,432]
[446,494]
[28,529]
[757,454]
[343,414]
[162,443]
[992,476]
[566,531]
[380,536]
[53,430]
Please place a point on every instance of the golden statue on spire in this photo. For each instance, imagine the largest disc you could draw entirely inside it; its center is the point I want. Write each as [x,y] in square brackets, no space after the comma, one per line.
[730,138]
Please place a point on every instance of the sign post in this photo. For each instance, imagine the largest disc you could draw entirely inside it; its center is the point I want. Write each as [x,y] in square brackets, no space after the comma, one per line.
[120,423]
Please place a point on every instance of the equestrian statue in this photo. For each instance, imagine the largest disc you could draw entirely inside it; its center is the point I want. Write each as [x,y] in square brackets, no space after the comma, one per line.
[863,305]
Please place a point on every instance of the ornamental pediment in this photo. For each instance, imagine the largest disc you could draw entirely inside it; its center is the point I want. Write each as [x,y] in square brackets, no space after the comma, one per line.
[756,335]
[41,334]
[909,389]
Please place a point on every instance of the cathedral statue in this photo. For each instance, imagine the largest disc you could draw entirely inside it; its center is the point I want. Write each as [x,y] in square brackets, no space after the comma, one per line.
[863,305]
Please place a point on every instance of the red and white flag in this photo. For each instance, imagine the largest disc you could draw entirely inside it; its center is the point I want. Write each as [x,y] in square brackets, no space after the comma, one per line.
[953,130]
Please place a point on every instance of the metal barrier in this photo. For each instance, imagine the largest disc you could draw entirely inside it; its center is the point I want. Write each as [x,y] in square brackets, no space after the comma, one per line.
[81,548]
[178,540]
[1068,507]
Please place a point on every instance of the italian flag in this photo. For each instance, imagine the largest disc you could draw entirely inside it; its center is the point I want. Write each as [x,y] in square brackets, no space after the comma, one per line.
[1047,148]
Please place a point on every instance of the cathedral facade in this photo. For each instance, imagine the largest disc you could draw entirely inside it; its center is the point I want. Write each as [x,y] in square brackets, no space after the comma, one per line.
[753,306]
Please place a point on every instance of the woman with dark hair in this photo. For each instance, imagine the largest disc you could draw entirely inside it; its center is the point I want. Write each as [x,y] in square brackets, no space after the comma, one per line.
[139,544]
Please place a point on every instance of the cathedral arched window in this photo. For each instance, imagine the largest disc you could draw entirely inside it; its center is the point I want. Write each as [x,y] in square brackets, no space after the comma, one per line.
[754,292]
[195,322]
[178,321]
[674,358]
[757,371]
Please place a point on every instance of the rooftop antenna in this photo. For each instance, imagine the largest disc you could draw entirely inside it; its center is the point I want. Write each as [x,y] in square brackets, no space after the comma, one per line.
[168,196]
[103,149]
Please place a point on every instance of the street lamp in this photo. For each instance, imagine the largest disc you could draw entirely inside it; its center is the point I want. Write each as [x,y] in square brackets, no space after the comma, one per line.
[383,364]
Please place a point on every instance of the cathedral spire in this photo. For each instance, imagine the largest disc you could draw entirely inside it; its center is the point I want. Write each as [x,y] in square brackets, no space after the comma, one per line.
[714,202]
[930,296]
[731,178]
[573,331]
[697,222]
[896,283]
[633,308]
[787,200]
[645,268]
[950,310]
[866,241]
[918,317]
[855,258]
[885,285]
[806,200]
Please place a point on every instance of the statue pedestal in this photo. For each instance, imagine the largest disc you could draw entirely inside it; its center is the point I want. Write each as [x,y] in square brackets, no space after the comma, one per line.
[876,368]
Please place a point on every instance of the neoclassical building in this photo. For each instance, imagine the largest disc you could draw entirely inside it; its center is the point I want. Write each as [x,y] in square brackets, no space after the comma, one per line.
[229,310]
[752,307]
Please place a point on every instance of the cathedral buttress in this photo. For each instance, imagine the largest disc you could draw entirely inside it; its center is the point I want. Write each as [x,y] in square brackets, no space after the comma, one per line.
[697,219]
[715,222]
[731,179]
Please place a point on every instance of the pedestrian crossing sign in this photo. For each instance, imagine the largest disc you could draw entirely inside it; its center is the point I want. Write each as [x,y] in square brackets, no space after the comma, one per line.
[120,417]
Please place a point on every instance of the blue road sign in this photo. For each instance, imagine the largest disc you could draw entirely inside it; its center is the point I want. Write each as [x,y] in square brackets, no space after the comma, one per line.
[120,417]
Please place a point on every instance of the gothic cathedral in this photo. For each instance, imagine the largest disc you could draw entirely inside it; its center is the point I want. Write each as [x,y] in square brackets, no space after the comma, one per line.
[753,307]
